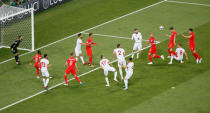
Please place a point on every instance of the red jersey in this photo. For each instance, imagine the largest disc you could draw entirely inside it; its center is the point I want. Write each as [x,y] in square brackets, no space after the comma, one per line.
[89,42]
[152,42]
[173,36]
[71,62]
[37,58]
[192,39]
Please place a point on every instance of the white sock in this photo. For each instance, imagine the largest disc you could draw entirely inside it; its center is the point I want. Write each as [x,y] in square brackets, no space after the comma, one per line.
[137,55]
[132,54]
[43,81]
[76,59]
[115,75]
[172,57]
[46,83]
[107,81]
[126,83]
[81,57]
[121,73]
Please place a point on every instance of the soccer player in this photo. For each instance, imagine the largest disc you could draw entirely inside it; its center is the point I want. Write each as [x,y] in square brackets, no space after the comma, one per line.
[14,47]
[78,50]
[172,42]
[191,38]
[72,64]
[120,53]
[37,64]
[129,72]
[153,49]
[89,43]
[44,69]
[137,37]
[107,66]
[180,52]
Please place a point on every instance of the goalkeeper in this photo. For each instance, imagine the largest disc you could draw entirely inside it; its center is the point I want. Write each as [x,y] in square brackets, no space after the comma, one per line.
[14,47]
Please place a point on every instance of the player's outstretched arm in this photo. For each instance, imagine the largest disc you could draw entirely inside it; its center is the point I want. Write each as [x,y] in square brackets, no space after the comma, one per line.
[83,43]
[187,36]
[110,64]
[65,64]
[124,66]
[167,35]
[76,68]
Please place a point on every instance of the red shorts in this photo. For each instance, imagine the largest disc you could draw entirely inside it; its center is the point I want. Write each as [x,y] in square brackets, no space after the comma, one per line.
[37,66]
[152,50]
[72,71]
[171,45]
[89,51]
[192,47]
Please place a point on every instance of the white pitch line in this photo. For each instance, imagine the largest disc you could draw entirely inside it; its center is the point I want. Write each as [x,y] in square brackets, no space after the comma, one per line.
[111,36]
[208,5]
[17,102]
[134,12]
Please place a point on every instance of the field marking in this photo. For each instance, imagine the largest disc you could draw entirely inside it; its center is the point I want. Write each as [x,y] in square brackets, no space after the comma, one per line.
[111,36]
[17,102]
[208,5]
[134,12]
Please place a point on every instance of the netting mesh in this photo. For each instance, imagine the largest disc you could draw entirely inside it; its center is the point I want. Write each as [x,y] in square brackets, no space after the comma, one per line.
[14,22]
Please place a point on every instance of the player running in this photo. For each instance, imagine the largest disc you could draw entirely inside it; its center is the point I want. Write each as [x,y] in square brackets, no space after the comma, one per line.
[137,37]
[45,74]
[120,53]
[191,38]
[72,64]
[107,66]
[78,50]
[129,72]
[180,52]
[37,64]
[14,47]
[172,42]
[89,43]
[152,52]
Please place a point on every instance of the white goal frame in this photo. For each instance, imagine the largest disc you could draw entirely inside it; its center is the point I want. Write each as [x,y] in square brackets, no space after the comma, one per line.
[32,27]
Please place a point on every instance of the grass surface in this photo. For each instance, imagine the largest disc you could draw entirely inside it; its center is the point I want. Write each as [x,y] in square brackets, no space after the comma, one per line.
[149,88]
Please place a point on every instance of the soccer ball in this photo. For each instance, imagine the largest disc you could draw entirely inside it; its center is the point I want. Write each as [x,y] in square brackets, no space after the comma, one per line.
[161,27]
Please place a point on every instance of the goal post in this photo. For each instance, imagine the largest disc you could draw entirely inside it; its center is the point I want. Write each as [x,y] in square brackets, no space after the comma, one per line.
[15,21]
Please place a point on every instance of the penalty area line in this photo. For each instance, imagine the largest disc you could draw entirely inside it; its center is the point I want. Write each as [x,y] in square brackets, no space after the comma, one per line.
[59,84]
[190,3]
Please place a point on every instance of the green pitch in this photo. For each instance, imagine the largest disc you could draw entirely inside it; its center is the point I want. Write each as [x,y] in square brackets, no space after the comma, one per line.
[150,88]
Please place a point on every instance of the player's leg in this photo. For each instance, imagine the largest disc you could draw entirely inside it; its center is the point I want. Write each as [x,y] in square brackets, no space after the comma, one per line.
[171,59]
[169,53]
[106,77]
[173,52]
[47,79]
[150,57]
[112,69]
[195,54]
[16,57]
[134,49]
[120,70]
[128,75]
[81,57]
[37,72]
[65,77]
[139,50]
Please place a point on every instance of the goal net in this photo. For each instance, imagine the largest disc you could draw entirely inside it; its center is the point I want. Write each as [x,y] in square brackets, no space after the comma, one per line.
[15,21]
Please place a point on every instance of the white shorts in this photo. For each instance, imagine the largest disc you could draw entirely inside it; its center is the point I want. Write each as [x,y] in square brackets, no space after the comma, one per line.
[106,71]
[45,73]
[78,52]
[123,62]
[137,46]
[128,74]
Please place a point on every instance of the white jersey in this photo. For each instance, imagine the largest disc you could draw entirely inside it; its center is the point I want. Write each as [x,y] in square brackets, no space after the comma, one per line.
[130,66]
[104,63]
[180,53]
[137,37]
[44,64]
[78,44]
[120,54]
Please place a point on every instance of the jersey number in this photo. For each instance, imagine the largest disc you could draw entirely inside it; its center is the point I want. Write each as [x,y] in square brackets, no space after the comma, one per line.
[104,63]
[43,64]
[119,52]
[181,52]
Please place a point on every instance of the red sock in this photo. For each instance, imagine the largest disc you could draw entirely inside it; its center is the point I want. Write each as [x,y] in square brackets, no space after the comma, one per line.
[77,78]
[169,52]
[150,58]
[196,56]
[156,56]
[37,72]
[66,80]
[90,59]
[174,53]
